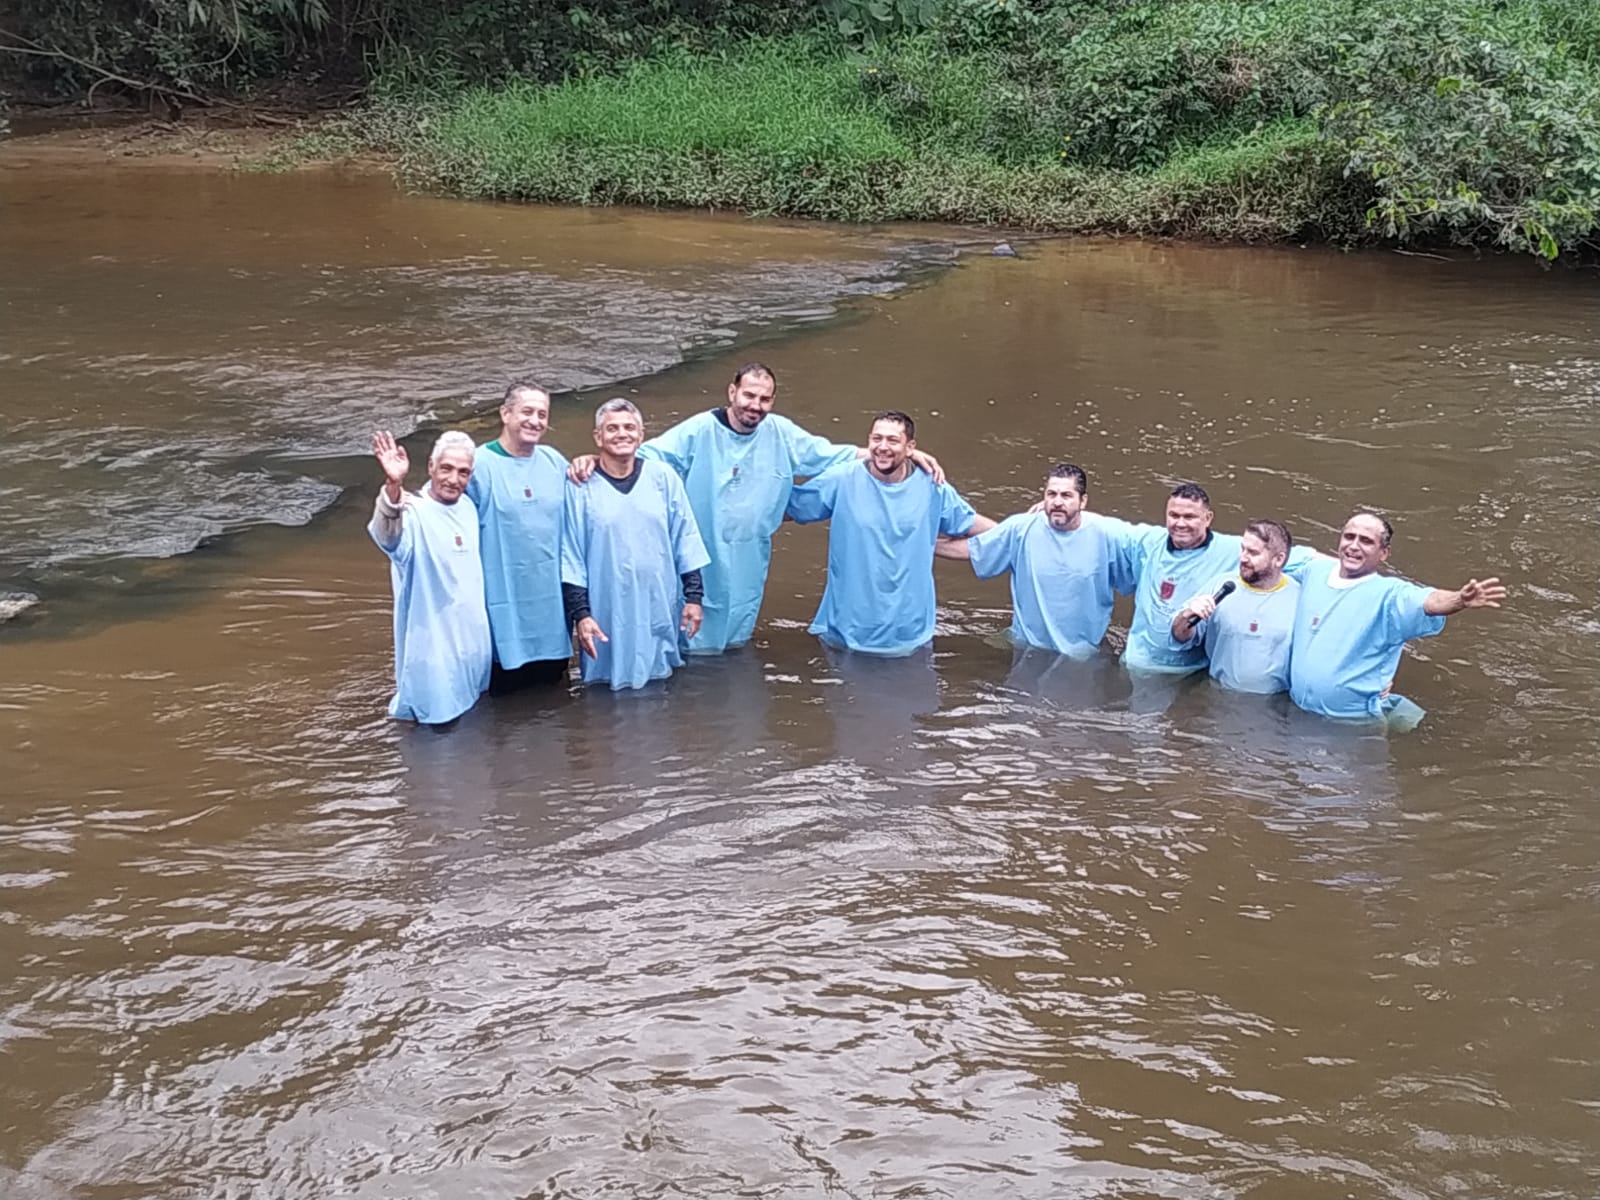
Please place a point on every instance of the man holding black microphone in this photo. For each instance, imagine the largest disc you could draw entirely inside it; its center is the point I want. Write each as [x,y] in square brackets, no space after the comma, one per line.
[1245,620]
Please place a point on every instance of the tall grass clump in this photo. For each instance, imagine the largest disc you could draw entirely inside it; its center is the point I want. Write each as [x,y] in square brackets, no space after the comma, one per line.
[771,128]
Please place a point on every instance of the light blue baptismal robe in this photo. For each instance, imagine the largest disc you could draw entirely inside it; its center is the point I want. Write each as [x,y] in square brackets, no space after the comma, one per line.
[630,551]
[1247,639]
[1347,644]
[520,503]
[738,486]
[879,598]
[1169,579]
[441,629]
[1063,583]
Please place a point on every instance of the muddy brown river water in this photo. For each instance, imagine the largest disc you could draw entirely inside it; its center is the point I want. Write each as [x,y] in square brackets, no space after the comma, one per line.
[987,923]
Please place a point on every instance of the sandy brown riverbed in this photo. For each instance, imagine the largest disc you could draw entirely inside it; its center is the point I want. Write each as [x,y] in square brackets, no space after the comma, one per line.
[225,138]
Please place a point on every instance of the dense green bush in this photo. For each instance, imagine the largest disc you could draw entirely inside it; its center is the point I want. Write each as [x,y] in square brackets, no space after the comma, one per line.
[68,46]
[181,46]
[1476,122]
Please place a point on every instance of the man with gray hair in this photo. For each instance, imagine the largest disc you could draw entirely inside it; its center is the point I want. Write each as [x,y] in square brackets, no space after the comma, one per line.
[1247,633]
[631,557]
[442,649]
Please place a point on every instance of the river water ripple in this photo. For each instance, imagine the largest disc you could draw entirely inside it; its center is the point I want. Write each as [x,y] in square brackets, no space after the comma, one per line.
[187,355]
[980,923]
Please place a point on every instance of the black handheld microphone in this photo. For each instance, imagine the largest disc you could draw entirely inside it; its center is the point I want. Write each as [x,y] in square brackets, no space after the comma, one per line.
[1223,593]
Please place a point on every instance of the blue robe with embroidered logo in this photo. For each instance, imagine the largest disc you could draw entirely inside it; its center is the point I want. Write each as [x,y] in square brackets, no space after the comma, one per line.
[739,486]
[441,628]
[1169,579]
[520,503]
[879,598]
[630,550]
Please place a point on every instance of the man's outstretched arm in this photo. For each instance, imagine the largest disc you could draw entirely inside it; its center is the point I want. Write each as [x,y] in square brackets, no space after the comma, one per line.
[1475,593]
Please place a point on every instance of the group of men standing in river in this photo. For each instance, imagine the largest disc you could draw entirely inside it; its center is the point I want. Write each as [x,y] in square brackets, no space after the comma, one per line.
[647,551]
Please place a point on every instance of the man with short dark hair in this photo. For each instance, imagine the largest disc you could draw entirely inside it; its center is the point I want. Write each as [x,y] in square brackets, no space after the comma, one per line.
[1173,561]
[739,463]
[631,558]
[1065,570]
[1352,623]
[887,517]
[1246,635]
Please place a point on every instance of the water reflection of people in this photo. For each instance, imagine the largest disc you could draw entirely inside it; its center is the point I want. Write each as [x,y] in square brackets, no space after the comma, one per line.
[545,765]
[877,702]
[1078,684]
[1352,623]
[642,741]
[1298,767]
[603,765]
[441,631]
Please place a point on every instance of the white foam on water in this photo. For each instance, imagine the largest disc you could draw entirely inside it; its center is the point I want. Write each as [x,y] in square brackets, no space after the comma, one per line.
[13,603]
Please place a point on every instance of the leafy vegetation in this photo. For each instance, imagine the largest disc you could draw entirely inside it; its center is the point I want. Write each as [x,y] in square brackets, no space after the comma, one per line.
[179,49]
[1467,121]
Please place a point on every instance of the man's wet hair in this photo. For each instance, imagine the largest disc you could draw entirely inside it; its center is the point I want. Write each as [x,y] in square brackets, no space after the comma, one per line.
[1073,472]
[1274,533]
[1191,491]
[522,385]
[1388,529]
[759,370]
[899,418]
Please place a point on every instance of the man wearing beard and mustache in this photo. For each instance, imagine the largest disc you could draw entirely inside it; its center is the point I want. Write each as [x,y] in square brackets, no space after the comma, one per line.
[887,517]
[1066,570]
[1247,634]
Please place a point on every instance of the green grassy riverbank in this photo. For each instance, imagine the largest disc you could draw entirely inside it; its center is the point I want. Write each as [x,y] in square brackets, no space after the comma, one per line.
[1474,122]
